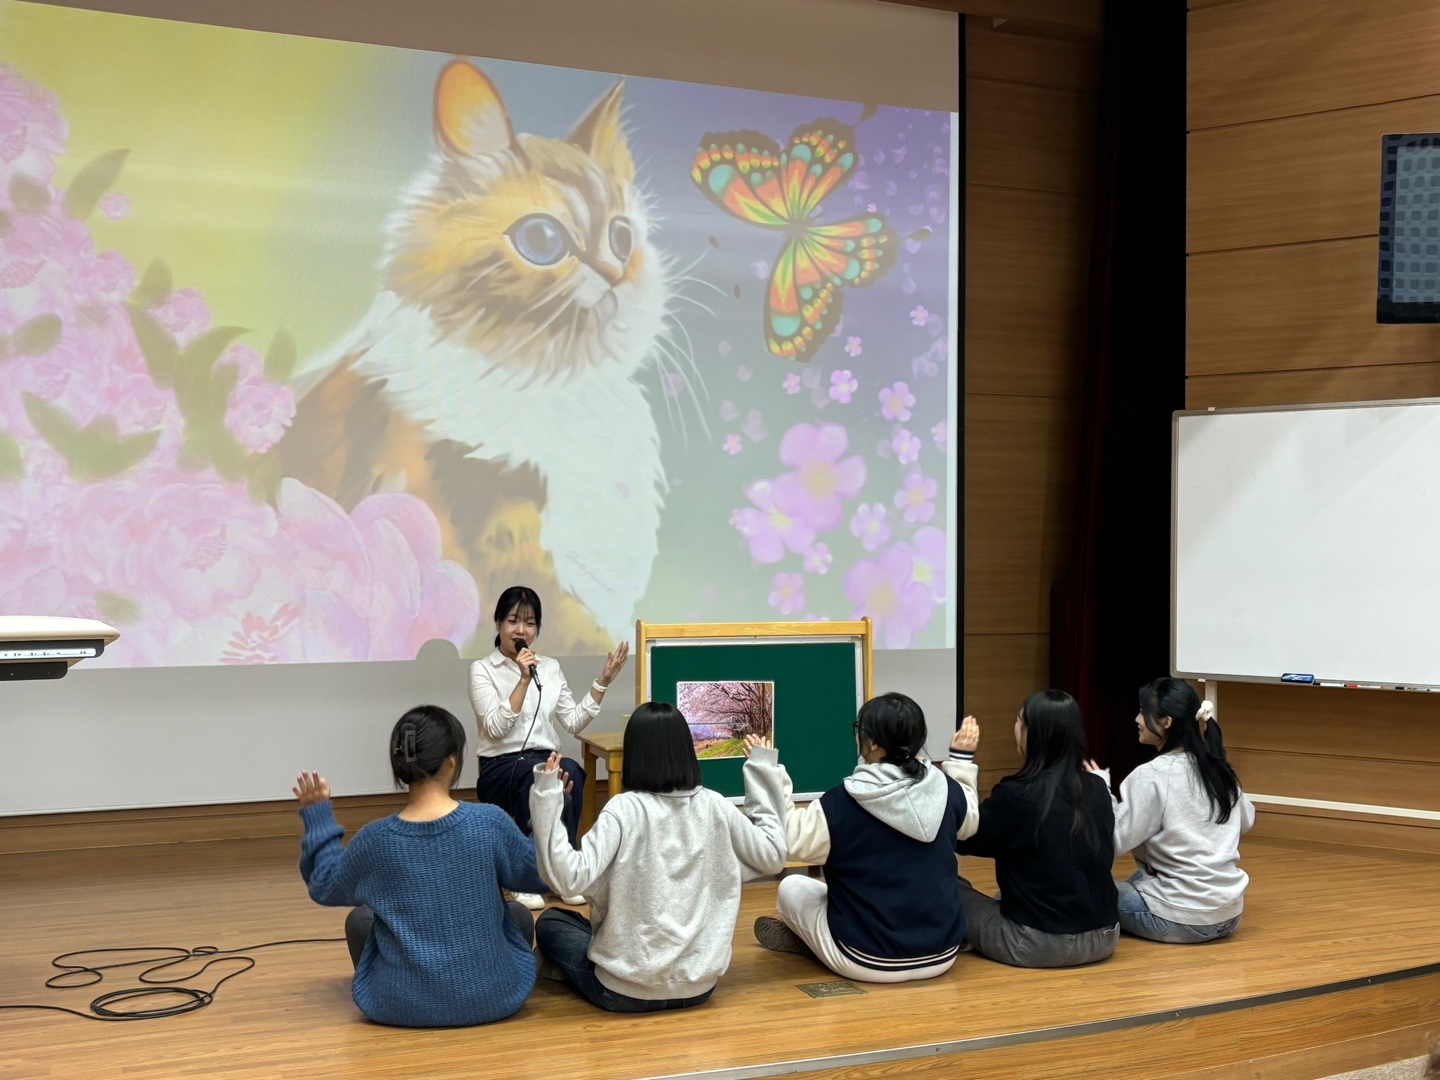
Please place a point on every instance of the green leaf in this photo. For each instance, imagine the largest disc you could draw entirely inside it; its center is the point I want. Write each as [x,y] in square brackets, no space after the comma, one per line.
[5,224]
[202,353]
[51,423]
[118,610]
[91,183]
[155,285]
[28,196]
[280,359]
[12,466]
[94,452]
[36,336]
[157,345]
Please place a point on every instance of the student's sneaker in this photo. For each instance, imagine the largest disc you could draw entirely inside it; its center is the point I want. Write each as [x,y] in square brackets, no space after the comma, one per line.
[574,901]
[774,935]
[532,900]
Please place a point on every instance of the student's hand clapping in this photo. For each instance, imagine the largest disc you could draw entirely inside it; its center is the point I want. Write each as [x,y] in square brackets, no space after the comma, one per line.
[967,739]
[552,765]
[311,788]
[752,741]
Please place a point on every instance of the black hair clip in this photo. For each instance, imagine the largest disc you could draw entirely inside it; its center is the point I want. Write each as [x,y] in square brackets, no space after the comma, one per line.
[407,741]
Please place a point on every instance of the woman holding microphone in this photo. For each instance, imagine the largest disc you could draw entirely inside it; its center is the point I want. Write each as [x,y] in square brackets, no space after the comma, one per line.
[519,697]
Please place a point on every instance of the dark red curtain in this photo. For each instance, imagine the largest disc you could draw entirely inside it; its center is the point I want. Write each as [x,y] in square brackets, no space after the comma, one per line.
[1110,615]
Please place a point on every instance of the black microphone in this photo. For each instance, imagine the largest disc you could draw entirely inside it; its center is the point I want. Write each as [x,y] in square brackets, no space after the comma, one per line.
[534,672]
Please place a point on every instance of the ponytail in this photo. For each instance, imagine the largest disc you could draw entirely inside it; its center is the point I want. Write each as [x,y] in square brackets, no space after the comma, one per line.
[1194,729]
[896,724]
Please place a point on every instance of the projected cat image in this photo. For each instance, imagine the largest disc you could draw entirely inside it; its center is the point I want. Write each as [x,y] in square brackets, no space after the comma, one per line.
[721,714]
[494,374]
[309,348]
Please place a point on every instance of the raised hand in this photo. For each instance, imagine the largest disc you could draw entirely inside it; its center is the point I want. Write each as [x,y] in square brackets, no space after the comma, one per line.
[967,739]
[614,662]
[752,741]
[1090,766]
[552,765]
[311,788]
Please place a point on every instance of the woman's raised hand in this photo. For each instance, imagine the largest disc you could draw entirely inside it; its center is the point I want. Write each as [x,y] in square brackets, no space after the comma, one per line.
[752,741]
[967,739]
[614,662]
[311,788]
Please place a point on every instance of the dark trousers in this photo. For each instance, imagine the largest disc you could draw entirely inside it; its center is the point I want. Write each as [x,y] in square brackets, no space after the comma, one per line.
[506,781]
[564,938]
[361,921]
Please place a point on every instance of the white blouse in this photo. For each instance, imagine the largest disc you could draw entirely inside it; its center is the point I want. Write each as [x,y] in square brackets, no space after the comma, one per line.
[493,680]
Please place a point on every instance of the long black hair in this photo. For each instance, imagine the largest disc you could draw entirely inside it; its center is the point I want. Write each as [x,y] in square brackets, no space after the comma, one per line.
[1055,759]
[896,724]
[520,597]
[1199,736]
[421,742]
[659,750]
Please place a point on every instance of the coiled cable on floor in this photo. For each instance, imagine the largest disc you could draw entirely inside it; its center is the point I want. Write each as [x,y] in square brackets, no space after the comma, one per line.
[76,973]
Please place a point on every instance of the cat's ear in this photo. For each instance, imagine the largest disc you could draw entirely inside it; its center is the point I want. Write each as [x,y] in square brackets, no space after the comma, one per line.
[601,135]
[470,118]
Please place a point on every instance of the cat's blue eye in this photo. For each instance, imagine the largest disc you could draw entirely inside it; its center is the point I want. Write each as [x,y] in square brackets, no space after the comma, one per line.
[540,239]
[622,238]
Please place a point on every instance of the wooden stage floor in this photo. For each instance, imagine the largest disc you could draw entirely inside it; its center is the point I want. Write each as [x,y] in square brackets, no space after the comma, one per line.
[1317,916]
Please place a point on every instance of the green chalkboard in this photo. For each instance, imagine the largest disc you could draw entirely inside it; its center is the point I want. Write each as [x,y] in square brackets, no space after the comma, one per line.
[817,694]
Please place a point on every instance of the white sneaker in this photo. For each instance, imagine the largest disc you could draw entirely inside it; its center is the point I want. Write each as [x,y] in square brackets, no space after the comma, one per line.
[574,901]
[532,900]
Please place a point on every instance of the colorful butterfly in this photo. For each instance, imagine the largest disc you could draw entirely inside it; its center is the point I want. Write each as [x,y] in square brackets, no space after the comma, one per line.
[747,174]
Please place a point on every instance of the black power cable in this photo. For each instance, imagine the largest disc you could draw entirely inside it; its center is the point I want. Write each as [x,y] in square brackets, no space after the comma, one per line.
[110,1006]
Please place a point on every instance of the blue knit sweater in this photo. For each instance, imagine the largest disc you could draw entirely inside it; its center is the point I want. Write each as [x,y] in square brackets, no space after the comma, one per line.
[444,952]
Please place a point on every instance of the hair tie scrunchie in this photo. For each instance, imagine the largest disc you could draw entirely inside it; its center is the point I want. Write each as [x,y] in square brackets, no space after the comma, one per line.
[1204,715]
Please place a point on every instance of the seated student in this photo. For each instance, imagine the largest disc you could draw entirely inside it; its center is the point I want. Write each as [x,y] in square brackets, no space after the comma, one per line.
[661,867]
[432,941]
[889,907]
[1182,814]
[1049,829]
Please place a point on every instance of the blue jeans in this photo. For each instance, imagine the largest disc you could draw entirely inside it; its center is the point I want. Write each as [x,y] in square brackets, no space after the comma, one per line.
[564,939]
[1135,918]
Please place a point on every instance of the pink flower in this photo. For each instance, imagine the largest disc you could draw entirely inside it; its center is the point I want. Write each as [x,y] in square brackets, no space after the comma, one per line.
[114,206]
[744,374]
[754,427]
[32,129]
[843,386]
[184,313]
[723,348]
[929,556]
[761,269]
[728,411]
[896,401]
[853,346]
[818,559]
[673,384]
[731,444]
[941,434]
[919,315]
[906,447]
[870,526]
[774,523]
[258,413]
[792,383]
[916,498]
[787,593]
[822,478]
[887,592]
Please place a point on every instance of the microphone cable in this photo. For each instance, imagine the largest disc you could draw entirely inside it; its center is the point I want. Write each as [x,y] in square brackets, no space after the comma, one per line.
[176,999]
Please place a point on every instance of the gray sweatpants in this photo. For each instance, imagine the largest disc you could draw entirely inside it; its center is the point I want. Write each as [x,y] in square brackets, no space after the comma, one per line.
[997,937]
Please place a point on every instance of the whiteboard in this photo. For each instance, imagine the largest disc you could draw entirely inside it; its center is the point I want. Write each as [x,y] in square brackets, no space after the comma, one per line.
[1306,542]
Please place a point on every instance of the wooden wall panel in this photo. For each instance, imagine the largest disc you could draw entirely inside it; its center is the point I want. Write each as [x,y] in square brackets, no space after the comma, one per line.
[1260,59]
[1026,316]
[1380,383]
[1289,181]
[1030,138]
[1288,99]
[1290,308]
[1019,485]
